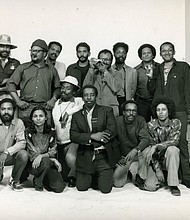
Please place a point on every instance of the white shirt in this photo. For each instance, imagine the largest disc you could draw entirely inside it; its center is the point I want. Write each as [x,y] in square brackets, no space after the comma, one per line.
[63,134]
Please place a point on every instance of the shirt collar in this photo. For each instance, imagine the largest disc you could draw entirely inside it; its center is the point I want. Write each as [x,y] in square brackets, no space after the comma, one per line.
[174,63]
[61,101]
[46,63]
[115,67]
[76,65]
[141,65]
[91,110]
[157,125]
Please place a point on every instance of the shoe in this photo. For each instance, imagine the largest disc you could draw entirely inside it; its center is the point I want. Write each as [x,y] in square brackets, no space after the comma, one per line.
[175,191]
[15,186]
[139,182]
[72,181]
[39,188]
[187,184]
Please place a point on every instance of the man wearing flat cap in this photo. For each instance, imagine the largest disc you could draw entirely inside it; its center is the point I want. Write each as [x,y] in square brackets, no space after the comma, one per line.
[146,53]
[62,113]
[127,74]
[38,81]
[7,64]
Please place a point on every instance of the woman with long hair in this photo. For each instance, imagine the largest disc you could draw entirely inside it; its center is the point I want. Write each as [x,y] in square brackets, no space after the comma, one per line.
[41,147]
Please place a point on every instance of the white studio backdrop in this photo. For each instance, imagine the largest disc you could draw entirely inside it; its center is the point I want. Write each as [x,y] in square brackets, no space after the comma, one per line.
[100,23]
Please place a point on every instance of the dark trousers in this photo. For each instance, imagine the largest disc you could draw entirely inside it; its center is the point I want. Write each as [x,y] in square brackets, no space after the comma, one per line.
[144,108]
[120,100]
[184,171]
[19,161]
[61,154]
[104,173]
[47,175]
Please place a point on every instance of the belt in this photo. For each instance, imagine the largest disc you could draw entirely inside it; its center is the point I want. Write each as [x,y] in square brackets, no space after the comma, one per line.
[61,146]
[99,151]
[144,99]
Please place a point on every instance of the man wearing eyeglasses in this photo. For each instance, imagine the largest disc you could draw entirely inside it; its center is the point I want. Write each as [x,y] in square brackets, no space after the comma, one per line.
[38,82]
[134,139]
[104,79]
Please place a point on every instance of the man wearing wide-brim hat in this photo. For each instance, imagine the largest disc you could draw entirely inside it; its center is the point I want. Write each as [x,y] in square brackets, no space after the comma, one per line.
[62,113]
[7,64]
[38,81]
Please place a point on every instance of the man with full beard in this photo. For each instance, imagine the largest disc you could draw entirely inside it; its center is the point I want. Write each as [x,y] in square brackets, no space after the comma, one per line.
[81,67]
[38,81]
[128,74]
[12,143]
[7,64]
[54,49]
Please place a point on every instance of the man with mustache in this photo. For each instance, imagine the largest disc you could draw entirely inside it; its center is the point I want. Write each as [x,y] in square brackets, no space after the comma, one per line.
[81,67]
[62,112]
[54,49]
[7,64]
[38,81]
[134,139]
[172,79]
[127,74]
[12,143]
[102,76]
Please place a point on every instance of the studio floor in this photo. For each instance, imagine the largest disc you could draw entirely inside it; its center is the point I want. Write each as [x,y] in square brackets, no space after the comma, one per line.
[126,203]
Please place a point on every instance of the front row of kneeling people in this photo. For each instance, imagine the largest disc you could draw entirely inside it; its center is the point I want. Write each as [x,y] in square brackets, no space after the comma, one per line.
[88,147]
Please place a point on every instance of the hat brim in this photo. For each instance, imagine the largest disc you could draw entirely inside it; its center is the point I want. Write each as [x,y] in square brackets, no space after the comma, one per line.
[11,45]
[77,87]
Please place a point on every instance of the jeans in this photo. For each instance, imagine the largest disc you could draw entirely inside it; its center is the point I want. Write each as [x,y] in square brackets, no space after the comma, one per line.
[121,172]
[171,164]
[19,161]
[47,175]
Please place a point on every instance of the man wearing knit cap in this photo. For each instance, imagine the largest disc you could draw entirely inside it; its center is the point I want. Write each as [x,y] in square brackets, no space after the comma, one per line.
[146,53]
[38,82]
[7,64]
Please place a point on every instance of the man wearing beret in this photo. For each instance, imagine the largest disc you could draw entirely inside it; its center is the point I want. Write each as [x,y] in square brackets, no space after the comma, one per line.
[38,82]
[7,64]
[147,54]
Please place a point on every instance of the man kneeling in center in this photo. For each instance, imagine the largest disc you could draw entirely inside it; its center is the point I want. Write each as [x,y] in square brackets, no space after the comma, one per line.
[94,129]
